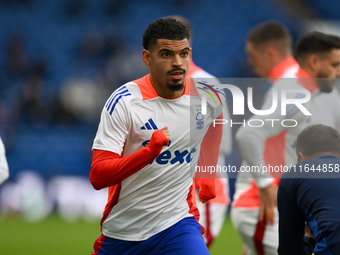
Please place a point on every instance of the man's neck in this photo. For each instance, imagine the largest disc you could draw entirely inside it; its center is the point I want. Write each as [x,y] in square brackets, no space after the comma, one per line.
[308,71]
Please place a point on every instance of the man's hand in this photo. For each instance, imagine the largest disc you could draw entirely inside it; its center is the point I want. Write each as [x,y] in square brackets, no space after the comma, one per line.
[206,189]
[308,232]
[159,139]
[202,200]
[268,198]
[165,131]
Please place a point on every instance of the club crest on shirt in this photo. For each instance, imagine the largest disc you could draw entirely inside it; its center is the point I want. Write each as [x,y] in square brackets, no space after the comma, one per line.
[199,120]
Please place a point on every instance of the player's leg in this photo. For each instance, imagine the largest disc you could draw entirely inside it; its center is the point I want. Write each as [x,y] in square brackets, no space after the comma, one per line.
[271,236]
[266,236]
[244,221]
[257,237]
[212,217]
[183,238]
[217,217]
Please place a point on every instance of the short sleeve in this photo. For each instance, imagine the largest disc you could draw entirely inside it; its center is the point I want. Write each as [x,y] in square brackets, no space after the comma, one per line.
[114,125]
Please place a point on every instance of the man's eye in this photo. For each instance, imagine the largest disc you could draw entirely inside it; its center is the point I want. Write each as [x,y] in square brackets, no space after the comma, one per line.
[165,54]
[184,54]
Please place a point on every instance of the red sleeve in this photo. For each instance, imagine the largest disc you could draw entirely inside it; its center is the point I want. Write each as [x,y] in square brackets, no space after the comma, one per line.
[108,168]
[208,157]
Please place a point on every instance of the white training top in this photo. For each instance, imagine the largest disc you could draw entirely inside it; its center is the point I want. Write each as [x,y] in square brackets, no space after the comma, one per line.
[159,195]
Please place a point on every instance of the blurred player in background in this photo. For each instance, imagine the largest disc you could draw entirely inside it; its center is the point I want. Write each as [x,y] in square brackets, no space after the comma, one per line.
[149,171]
[318,56]
[310,193]
[269,48]
[4,172]
[212,213]
[254,212]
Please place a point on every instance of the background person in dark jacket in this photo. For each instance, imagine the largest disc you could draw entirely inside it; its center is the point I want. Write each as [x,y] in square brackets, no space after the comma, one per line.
[309,192]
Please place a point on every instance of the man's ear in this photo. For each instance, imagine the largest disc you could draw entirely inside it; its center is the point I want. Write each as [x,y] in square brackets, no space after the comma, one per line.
[302,157]
[313,62]
[146,57]
[273,54]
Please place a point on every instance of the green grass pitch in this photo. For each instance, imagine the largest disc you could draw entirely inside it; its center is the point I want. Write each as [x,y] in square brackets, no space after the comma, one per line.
[54,236]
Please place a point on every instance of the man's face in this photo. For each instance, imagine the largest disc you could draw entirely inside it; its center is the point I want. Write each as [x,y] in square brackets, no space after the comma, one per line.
[258,59]
[168,61]
[328,70]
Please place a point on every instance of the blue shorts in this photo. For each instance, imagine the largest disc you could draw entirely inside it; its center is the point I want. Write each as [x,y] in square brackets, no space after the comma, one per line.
[183,238]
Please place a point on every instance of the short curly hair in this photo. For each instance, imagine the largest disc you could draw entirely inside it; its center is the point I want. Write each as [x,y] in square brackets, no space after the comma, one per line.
[164,28]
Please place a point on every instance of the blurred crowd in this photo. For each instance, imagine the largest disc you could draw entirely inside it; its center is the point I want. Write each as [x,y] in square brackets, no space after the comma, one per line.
[36,92]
